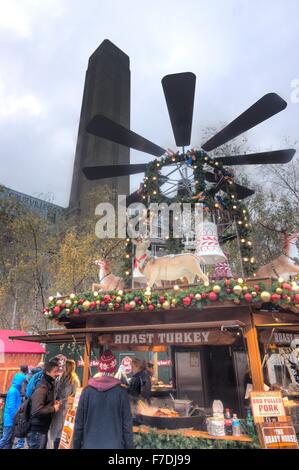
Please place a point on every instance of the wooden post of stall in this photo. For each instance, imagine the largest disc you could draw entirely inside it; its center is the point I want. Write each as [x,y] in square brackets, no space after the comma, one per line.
[86,365]
[255,362]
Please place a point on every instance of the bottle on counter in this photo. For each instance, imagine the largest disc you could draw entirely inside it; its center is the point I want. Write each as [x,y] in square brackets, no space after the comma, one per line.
[236,426]
[250,423]
[228,422]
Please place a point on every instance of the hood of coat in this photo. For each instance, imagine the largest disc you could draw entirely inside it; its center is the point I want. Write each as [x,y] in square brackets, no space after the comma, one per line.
[103,383]
[18,380]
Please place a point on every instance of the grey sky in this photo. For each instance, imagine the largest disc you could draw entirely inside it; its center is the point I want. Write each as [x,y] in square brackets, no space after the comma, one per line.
[239,50]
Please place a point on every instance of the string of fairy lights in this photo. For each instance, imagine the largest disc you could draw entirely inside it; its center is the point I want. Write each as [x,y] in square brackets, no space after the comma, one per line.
[150,191]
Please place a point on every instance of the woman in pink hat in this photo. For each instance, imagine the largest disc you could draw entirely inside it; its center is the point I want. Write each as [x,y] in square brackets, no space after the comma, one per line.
[103,419]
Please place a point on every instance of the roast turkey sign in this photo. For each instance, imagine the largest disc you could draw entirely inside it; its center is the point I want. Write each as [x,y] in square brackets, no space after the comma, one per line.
[156,338]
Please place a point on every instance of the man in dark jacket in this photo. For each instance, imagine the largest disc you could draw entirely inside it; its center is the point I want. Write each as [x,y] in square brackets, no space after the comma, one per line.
[43,406]
[104,419]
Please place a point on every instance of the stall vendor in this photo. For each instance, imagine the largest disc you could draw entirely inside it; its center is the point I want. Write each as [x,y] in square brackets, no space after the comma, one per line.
[140,384]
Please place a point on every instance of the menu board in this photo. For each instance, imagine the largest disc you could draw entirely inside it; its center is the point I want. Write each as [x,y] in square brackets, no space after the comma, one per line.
[66,441]
[267,406]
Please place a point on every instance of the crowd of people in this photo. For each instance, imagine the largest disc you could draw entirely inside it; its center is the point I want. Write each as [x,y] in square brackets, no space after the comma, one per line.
[105,409]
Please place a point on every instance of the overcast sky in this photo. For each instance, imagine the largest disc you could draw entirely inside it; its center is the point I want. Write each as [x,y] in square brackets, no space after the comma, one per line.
[239,50]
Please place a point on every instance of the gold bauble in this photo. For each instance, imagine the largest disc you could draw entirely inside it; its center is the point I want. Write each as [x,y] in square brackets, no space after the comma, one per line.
[217,289]
[206,283]
[98,302]
[176,287]
[198,296]
[237,290]
[118,299]
[86,305]
[278,291]
[281,280]
[59,302]
[147,293]
[254,294]
[120,292]
[68,303]
[174,301]
[141,307]
[67,310]
[110,305]
[159,305]
[132,304]
[265,296]
[166,305]
[51,299]
[244,289]
[72,296]
[95,293]
[240,280]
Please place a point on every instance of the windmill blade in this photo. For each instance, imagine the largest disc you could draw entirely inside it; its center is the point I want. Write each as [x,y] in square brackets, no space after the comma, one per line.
[110,171]
[179,90]
[264,108]
[101,126]
[262,158]
[241,191]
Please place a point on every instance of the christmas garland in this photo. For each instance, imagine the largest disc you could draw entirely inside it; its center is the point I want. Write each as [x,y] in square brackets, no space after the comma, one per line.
[227,290]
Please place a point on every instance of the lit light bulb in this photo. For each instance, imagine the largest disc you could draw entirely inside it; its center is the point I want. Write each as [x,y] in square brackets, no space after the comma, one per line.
[234,207]
[242,240]
[154,192]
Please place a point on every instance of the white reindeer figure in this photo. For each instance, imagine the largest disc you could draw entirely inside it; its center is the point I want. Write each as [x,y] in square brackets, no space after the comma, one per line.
[108,281]
[285,265]
[166,268]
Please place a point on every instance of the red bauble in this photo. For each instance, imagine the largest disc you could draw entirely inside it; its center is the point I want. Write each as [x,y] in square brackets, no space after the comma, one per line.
[107,298]
[56,310]
[92,305]
[151,307]
[187,301]
[136,299]
[248,297]
[117,305]
[296,298]
[229,291]
[213,296]
[227,282]
[285,296]
[77,311]
[162,299]
[45,310]
[275,298]
[257,287]
[63,306]
[139,302]
[203,296]
[127,307]
[103,303]
[81,301]
[191,296]
[286,286]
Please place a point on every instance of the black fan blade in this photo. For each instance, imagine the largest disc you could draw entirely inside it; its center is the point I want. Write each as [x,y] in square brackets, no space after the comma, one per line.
[241,191]
[262,158]
[110,171]
[267,106]
[101,126]
[179,90]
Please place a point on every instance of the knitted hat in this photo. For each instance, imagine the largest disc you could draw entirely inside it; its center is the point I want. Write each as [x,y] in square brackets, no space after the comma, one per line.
[108,363]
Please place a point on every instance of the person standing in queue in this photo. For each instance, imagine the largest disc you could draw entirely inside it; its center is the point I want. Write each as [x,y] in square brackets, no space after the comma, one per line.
[103,419]
[43,406]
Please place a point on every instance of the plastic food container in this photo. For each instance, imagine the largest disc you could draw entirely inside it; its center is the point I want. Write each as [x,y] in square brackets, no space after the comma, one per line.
[215,426]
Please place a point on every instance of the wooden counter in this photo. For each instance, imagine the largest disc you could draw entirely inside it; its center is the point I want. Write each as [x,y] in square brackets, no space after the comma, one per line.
[192,433]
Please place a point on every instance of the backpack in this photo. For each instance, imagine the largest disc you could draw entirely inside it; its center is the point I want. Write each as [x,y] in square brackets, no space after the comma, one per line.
[21,421]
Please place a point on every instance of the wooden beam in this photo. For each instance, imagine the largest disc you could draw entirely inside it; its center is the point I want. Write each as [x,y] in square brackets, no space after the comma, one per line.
[86,365]
[254,356]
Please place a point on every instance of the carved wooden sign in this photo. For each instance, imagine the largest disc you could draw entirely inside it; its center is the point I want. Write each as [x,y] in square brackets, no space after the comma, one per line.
[180,338]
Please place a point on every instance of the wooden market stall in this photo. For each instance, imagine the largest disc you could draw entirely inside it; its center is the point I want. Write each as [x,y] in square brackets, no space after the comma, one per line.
[14,353]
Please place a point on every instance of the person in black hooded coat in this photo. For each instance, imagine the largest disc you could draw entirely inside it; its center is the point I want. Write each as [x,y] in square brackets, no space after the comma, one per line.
[103,418]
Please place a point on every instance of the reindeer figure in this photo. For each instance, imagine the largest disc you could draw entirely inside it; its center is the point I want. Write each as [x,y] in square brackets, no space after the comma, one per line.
[108,281]
[286,264]
[166,268]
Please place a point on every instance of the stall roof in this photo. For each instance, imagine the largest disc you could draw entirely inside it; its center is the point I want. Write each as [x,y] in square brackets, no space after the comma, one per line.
[78,335]
[13,343]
